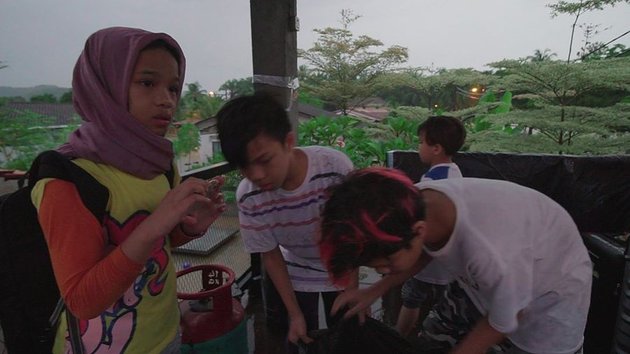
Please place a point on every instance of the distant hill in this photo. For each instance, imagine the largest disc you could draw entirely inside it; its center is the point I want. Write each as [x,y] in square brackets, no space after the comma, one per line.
[28,92]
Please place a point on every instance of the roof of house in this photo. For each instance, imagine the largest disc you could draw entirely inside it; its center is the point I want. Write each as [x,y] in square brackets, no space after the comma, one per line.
[206,123]
[370,114]
[309,111]
[63,113]
[305,111]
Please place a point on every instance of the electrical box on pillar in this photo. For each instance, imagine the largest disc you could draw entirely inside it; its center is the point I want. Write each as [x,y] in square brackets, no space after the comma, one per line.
[212,321]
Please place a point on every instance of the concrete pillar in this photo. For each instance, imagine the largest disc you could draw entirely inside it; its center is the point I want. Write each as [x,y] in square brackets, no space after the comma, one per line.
[274,51]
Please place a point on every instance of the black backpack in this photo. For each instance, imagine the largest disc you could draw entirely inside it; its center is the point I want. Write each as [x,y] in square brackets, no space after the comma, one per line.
[29,293]
[29,298]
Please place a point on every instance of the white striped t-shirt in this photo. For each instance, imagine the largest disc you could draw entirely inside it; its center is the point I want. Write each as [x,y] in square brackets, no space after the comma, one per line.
[290,219]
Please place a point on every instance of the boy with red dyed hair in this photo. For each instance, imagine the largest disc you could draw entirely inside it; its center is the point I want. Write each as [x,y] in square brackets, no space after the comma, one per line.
[522,284]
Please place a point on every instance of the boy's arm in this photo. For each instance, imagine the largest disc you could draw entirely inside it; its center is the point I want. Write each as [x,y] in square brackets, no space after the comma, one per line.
[276,267]
[359,300]
[479,339]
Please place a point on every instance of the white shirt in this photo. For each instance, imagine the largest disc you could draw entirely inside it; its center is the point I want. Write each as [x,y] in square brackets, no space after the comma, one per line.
[434,272]
[520,258]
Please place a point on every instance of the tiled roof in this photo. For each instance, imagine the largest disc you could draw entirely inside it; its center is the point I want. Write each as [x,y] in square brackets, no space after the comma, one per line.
[371,114]
[63,113]
[309,111]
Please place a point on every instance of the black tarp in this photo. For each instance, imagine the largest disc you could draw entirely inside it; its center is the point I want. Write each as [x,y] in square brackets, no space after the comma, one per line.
[595,190]
[373,337]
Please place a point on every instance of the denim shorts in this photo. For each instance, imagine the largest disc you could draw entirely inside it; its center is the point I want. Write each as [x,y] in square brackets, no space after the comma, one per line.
[414,292]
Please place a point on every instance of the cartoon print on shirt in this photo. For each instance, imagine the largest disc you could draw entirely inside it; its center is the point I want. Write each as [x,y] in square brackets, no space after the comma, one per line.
[115,327]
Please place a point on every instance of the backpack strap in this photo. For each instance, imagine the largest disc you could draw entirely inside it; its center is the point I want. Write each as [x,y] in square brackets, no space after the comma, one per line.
[74,333]
[74,328]
[51,164]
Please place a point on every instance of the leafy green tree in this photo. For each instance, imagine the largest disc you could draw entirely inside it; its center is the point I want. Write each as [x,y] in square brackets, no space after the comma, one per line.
[544,55]
[27,134]
[188,140]
[558,120]
[577,8]
[307,98]
[44,98]
[604,52]
[365,143]
[344,68]
[237,87]
[14,99]
[195,103]
[66,97]
[445,89]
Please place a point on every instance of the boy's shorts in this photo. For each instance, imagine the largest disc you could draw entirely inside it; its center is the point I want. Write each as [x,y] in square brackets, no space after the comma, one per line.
[452,317]
[415,292]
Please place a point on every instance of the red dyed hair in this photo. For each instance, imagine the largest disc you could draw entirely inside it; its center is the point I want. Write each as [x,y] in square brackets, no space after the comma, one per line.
[368,216]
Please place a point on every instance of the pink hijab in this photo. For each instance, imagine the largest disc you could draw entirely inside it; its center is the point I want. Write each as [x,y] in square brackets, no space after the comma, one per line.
[109,133]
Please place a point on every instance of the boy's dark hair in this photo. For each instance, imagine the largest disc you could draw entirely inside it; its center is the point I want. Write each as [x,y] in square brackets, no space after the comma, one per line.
[242,119]
[447,131]
[368,216]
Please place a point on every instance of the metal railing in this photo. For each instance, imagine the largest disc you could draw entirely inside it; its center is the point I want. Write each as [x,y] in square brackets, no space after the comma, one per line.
[222,243]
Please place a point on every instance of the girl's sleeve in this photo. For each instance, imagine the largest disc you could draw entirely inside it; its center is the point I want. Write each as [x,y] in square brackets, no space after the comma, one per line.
[90,278]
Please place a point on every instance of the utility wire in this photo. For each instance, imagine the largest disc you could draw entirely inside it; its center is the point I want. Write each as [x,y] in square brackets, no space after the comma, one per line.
[602,46]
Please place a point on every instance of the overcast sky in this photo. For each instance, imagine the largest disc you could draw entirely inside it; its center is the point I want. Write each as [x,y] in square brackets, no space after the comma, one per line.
[41,39]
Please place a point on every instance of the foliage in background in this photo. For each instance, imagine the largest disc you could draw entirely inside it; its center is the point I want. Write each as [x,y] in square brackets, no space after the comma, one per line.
[196,104]
[434,89]
[577,9]
[188,140]
[66,97]
[557,113]
[26,135]
[237,87]
[344,68]
[365,143]
[45,98]
[232,179]
[307,98]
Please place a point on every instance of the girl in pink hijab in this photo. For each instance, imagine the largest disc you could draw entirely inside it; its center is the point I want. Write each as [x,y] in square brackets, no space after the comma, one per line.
[116,275]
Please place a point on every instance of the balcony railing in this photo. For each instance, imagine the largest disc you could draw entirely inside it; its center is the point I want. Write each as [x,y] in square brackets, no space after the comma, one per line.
[221,244]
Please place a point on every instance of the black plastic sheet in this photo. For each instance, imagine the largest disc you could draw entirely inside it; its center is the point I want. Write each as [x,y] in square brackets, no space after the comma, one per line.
[595,190]
[373,337]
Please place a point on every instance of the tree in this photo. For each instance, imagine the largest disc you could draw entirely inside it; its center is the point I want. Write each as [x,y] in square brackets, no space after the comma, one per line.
[26,134]
[539,55]
[237,87]
[344,68]
[577,9]
[436,89]
[188,140]
[196,104]
[45,98]
[558,117]
[66,97]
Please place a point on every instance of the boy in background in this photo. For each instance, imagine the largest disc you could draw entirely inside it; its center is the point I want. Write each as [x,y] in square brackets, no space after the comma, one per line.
[440,138]
[279,203]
